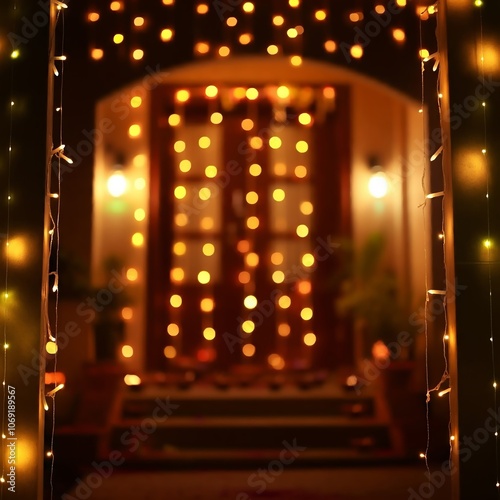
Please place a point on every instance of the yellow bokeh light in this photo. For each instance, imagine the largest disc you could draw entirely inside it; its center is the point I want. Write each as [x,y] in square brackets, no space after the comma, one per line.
[379,9]
[170,352]
[231,22]
[204,193]
[248,7]
[278,195]
[275,360]
[357,51]
[208,249]
[401,3]
[93,17]
[136,101]
[305,119]
[275,142]
[137,54]
[302,146]
[116,6]
[139,214]
[330,46]
[423,53]
[134,130]
[127,351]
[309,339]
[16,250]
[283,92]
[306,314]
[180,192]
[224,51]
[132,274]
[284,329]
[300,171]
[184,166]
[245,38]
[277,258]
[255,170]
[174,120]
[248,350]
[118,38]
[202,48]
[176,301]
[278,20]
[131,379]
[308,260]
[239,92]
[207,304]
[173,329]
[256,142]
[127,313]
[216,118]
[355,17]
[51,347]
[252,259]
[139,22]
[304,287]
[329,93]
[252,94]
[296,60]
[272,50]
[248,326]
[243,246]
[294,3]
[247,124]
[181,220]
[253,222]
[320,15]
[244,277]
[140,183]
[182,95]
[279,169]
[177,274]
[278,276]
[139,160]
[211,171]
[204,277]
[292,33]
[179,248]
[137,239]
[202,8]
[306,207]
[207,223]
[250,302]
[302,230]
[204,142]
[398,35]
[179,146]
[252,197]
[284,301]
[166,34]
[209,333]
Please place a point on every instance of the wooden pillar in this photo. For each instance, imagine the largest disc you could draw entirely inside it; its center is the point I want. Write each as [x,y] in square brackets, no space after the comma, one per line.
[469,263]
[26,126]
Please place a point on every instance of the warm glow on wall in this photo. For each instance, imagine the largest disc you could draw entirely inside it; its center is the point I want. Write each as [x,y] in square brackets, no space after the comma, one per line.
[117,184]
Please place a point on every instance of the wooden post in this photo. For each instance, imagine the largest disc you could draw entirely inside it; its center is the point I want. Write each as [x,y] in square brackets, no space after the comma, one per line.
[27,27]
[469,262]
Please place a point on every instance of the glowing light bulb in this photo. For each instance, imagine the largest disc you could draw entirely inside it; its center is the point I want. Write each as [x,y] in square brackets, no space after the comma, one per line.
[378,185]
[117,184]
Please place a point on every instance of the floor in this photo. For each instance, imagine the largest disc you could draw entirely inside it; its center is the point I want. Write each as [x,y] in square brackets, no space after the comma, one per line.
[273,481]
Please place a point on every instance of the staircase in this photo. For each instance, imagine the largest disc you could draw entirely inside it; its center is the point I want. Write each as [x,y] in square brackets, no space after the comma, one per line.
[220,424]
